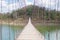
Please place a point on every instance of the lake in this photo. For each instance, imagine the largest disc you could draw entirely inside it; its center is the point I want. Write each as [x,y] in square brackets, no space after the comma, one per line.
[10,33]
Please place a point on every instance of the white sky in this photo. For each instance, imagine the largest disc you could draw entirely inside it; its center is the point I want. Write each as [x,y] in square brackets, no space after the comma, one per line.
[53,4]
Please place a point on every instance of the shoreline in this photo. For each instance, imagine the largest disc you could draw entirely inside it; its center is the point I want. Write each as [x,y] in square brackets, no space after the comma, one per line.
[12,23]
[20,22]
[24,22]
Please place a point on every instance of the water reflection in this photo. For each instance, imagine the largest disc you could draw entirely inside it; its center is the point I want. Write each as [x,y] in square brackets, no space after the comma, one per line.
[10,33]
[52,35]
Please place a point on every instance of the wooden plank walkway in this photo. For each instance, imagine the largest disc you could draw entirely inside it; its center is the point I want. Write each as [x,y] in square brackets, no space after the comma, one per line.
[30,33]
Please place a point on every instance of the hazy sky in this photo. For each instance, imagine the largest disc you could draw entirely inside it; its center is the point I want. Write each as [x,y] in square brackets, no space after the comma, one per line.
[9,5]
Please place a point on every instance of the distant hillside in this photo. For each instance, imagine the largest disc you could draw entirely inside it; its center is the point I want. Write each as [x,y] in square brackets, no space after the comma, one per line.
[34,12]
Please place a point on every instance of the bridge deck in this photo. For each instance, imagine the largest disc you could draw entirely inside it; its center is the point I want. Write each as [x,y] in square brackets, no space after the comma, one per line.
[30,33]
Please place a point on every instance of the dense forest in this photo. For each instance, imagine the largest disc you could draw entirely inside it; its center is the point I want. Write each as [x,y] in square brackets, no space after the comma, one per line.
[32,11]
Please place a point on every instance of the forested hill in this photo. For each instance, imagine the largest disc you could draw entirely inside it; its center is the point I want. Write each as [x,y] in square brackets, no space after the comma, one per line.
[33,12]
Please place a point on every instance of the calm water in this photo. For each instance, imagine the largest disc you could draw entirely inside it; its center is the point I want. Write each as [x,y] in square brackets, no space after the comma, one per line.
[10,33]
[52,35]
